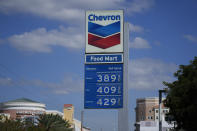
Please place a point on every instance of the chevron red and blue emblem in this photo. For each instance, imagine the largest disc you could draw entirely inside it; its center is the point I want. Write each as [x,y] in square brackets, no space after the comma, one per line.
[104,31]
[104,36]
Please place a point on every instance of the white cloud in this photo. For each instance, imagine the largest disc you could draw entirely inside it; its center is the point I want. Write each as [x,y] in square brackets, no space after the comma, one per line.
[191,38]
[157,43]
[52,9]
[67,85]
[41,40]
[5,81]
[70,10]
[144,74]
[1,41]
[138,6]
[150,73]
[139,42]
[135,28]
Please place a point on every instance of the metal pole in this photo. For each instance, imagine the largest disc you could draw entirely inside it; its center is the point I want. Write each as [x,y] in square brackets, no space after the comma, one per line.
[160,119]
[123,117]
[82,120]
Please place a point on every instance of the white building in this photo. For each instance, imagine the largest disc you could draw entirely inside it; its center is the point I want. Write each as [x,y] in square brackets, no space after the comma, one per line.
[77,126]
[54,112]
[147,115]
[21,108]
[164,111]
[153,126]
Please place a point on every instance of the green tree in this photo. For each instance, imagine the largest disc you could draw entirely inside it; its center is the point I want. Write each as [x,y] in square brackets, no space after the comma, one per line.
[11,125]
[182,97]
[46,122]
[1,118]
[50,122]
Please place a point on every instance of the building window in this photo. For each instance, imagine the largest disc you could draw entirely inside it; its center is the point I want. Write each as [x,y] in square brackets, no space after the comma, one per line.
[157,111]
[149,111]
[165,111]
[157,117]
[150,117]
[141,118]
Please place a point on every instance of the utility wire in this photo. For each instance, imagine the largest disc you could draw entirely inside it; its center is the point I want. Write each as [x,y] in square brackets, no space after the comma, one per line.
[20,83]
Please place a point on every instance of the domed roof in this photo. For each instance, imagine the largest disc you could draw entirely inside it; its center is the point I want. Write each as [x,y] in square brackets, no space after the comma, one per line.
[25,100]
[22,103]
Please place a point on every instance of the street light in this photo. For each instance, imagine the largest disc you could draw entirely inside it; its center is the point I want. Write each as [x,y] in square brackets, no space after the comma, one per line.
[82,113]
[160,100]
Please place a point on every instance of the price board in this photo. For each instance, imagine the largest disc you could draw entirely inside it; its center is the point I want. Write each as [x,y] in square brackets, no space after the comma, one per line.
[103,86]
[104,58]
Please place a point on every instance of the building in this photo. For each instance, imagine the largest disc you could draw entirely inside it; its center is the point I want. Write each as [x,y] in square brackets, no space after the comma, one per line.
[77,126]
[54,112]
[153,126]
[4,116]
[69,116]
[21,108]
[68,113]
[144,108]
[164,111]
[29,110]
[147,114]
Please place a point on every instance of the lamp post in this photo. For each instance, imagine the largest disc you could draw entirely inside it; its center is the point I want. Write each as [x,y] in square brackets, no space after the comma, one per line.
[160,101]
[82,112]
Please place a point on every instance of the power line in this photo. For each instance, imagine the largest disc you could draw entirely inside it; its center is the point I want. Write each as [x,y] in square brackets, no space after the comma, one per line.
[20,83]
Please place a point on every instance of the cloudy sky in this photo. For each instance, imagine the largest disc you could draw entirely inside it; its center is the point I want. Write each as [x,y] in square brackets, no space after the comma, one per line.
[42,50]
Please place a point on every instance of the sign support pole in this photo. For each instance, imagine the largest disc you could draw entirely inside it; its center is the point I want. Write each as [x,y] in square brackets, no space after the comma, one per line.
[82,120]
[123,115]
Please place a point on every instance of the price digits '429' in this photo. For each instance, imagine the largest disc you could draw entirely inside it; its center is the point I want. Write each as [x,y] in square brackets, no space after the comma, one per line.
[108,102]
[108,78]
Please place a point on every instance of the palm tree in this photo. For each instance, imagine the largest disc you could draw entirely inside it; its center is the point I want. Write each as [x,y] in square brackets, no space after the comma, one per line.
[11,125]
[50,122]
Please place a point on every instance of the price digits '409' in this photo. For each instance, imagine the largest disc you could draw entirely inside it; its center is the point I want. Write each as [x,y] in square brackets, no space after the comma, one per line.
[106,90]
[108,78]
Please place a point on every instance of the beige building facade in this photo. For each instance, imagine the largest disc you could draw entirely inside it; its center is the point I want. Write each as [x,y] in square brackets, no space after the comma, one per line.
[68,113]
[144,108]
[147,109]
[147,114]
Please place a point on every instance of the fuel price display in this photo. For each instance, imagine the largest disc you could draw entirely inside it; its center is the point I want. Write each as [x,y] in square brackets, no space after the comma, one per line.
[103,86]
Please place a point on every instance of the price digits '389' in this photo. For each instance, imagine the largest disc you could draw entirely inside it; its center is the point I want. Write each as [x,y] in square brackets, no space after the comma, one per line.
[108,78]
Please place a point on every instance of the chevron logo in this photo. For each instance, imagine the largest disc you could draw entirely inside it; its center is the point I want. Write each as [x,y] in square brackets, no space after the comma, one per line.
[104,36]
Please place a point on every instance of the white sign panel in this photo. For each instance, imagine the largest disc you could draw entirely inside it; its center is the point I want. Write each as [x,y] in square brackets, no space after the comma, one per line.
[104,31]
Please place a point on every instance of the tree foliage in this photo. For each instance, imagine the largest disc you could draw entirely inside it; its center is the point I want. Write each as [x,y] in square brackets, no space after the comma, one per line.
[51,122]
[182,97]
[46,122]
[11,125]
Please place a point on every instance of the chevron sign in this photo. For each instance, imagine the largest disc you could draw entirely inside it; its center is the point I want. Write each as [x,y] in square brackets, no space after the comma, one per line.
[104,31]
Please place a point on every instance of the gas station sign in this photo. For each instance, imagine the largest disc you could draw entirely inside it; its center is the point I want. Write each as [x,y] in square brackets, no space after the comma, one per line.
[104,60]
